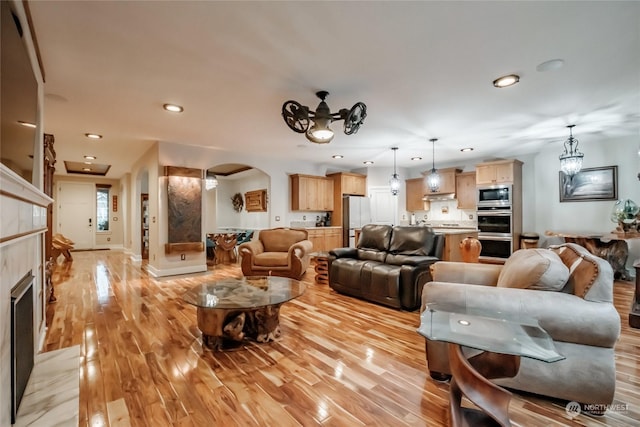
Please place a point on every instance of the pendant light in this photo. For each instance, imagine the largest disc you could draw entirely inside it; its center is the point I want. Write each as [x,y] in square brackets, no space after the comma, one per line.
[433,179]
[571,158]
[394,182]
[211,182]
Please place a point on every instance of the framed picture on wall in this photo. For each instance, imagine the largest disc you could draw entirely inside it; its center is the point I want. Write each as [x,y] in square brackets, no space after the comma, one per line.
[590,185]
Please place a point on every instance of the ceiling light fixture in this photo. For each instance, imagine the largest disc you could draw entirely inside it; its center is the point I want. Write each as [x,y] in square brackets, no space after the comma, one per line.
[416,158]
[93,136]
[173,108]
[467,149]
[338,156]
[368,162]
[90,157]
[211,181]
[394,182]
[506,81]
[298,117]
[571,158]
[26,124]
[433,179]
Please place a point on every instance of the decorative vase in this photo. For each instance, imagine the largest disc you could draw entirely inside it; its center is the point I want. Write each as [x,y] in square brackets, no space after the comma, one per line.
[625,214]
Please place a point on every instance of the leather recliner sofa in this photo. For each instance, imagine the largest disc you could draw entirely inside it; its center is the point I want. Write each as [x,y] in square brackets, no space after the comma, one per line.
[388,266]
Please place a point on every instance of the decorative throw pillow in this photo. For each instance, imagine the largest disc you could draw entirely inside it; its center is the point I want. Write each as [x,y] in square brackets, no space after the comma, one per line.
[539,269]
[583,269]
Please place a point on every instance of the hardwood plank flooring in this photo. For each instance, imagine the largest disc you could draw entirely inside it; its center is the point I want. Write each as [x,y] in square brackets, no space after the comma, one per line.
[340,361]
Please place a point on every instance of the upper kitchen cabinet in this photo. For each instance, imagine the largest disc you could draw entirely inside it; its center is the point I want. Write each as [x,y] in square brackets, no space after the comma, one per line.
[498,172]
[447,181]
[415,190]
[345,183]
[466,190]
[311,193]
[352,184]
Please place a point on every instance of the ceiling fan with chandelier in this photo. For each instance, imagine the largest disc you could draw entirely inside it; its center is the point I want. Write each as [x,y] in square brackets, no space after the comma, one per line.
[298,117]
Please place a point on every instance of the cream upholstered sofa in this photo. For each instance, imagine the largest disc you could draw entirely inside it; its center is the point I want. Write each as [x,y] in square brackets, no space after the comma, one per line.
[277,252]
[567,290]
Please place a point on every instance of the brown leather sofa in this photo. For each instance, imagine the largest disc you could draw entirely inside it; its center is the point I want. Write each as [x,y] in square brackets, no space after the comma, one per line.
[388,266]
[277,252]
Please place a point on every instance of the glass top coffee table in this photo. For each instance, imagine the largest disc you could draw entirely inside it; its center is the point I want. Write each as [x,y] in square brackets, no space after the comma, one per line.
[234,309]
[503,340]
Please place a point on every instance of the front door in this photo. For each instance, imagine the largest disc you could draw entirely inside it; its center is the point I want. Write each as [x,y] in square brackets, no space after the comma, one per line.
[76,203]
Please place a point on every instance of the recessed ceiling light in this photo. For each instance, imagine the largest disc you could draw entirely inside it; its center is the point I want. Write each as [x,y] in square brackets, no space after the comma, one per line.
[173,108]
[464,150]
[506,81]
[337,156]
[93,136]
[416,158]
[26,124]
[87,163]
[553,64]
[368,162]
[86,169]
[90,157]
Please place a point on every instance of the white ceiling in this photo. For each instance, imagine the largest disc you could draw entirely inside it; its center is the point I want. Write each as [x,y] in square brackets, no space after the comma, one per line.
[424,70]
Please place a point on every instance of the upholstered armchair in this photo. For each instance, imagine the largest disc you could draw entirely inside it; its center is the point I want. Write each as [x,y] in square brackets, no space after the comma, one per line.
[277,252]
[567,290]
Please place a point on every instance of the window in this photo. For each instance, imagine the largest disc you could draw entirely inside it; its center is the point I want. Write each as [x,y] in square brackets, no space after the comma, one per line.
[102,207]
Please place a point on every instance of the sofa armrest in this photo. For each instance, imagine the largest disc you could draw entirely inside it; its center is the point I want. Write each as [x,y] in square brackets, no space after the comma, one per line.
[344,252]
[252,248]
[301,248]
[565,317]
[464,272]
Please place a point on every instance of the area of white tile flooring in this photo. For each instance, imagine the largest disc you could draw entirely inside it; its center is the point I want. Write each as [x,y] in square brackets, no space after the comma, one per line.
[52,396]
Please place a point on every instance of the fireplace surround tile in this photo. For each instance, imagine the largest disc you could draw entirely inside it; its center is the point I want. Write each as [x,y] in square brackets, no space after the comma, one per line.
[53,390]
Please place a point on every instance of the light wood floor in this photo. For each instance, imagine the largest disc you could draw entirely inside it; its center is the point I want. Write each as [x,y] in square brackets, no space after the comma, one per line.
[340,361]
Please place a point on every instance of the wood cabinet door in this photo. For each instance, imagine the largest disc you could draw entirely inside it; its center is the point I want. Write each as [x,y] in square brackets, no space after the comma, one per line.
[504,172]
[333,238]
[485,174]
[355,185]
[466,190]
[325,194]
[317,238]
[415,192]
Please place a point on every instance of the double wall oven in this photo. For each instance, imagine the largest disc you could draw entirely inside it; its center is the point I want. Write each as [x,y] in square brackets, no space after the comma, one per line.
[495,220]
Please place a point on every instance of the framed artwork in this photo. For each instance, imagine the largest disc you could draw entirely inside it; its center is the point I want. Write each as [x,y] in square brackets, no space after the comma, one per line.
[590,185]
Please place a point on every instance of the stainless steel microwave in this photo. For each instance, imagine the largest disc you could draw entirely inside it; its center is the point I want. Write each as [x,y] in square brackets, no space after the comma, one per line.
[500,195]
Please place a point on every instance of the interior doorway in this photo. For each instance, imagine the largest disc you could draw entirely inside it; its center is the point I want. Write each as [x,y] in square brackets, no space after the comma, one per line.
[76,210]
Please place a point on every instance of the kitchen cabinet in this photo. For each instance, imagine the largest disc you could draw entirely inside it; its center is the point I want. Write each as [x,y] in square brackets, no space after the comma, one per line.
[352,184]
[447,181]
[325,238]
[311,193]
[466,190]
[415,191]
[452,240]
[498,172]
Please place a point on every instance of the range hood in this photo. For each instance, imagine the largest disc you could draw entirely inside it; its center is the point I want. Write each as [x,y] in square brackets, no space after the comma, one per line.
[441,196]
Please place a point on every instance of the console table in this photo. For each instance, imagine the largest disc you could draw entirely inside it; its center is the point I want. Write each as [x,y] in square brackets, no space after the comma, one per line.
[609,246]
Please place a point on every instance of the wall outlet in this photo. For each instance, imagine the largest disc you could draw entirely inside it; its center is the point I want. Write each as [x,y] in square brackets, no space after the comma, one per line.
[183,257]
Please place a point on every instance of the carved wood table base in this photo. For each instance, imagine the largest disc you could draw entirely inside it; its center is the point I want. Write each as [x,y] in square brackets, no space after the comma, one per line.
[224,329]
[471,379]
[322,270]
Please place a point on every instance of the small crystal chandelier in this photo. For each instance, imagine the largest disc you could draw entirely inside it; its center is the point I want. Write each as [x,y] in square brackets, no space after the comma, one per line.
[433,179]
[211,182]
[571,158]
[394,182]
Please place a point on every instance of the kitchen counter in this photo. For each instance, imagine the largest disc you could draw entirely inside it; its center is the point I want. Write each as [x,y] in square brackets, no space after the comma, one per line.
[460,230]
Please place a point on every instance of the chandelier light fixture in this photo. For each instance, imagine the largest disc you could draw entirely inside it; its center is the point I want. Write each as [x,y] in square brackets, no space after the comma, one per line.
[299,119]
[571,158]
[394,182]
[211,181]
[433,179]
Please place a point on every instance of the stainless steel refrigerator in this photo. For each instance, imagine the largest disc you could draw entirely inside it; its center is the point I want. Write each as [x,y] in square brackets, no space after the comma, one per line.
[356,212]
